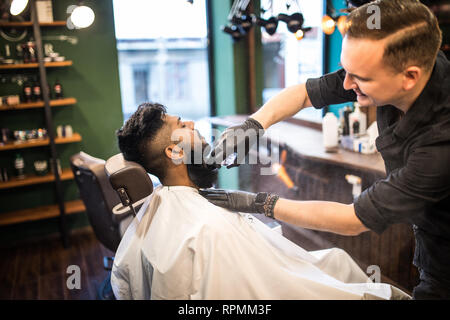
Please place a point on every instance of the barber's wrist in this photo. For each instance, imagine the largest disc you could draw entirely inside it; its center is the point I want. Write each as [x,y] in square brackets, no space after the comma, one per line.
[260,123]
[265,203]
[254,123]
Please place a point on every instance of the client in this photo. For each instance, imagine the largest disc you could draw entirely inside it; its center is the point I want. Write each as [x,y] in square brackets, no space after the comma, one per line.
[180,246]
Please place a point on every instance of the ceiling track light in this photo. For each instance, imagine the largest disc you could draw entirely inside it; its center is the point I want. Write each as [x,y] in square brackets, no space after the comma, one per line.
[235,31]
[240,22]
[244,20]
[270,25]
[294,21]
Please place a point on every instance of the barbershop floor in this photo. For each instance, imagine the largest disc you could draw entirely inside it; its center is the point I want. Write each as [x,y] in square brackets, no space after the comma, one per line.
[37,269]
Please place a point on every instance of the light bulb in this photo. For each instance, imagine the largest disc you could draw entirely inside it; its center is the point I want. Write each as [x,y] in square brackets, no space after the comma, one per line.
[342,24]
[299,34]
[82,17]
[17,6]
[328,25]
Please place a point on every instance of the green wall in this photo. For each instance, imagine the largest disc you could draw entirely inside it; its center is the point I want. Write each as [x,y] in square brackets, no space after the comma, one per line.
[94,81]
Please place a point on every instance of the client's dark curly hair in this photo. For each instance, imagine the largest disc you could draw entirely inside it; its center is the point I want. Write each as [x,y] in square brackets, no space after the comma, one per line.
[140,128]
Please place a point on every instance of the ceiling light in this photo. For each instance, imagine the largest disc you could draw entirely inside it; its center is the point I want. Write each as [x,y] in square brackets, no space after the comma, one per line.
[82,17]
[342,24]
[299,34]
[17,6]
[328,24]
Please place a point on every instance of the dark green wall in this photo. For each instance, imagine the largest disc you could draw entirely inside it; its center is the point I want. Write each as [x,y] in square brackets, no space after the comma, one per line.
[94,81]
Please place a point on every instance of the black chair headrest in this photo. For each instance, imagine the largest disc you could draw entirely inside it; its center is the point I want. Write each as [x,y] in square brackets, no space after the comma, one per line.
[129,179]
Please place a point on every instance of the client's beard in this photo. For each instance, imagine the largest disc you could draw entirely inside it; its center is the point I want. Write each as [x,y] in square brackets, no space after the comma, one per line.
[202,175]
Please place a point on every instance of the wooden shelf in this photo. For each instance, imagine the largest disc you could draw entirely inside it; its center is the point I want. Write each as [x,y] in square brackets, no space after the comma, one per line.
[30,24]
[40,104]
[31,179]
[39,213]
[35,65]
[76,137]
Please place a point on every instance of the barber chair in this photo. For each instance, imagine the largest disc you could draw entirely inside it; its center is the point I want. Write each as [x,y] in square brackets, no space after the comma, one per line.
[110,210]
[99,199]
[131,182]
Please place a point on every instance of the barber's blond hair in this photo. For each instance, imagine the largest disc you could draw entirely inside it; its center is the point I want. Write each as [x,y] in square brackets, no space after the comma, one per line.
[410,28]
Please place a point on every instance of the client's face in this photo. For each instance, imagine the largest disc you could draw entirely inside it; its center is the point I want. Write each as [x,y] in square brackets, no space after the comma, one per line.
[202,174]
[195,148]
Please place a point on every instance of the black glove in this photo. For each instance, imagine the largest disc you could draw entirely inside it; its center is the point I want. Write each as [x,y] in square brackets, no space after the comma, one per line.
[237,139]
[242,201]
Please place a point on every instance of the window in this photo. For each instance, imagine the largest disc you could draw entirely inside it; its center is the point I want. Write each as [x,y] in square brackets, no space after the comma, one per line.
[288,61]
[140,80]
[163,58]
[177,81]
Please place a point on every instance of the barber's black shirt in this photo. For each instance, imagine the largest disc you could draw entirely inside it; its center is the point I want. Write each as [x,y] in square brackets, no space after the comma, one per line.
[416,152]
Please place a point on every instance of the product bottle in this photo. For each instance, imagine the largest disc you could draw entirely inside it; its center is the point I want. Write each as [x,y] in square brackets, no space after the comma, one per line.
[32,50]
[58,90]
[37,94]
[359,116]
[27,92]
[346,128]
[330,132]
[19,166]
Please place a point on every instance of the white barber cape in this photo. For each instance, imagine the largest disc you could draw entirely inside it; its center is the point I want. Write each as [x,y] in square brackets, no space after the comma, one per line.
[180,246]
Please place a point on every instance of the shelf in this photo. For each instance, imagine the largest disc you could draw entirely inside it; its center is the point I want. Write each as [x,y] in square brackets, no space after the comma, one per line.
[30,24]
[39,142]
[35,65]
[31,179]
[39,213]
[40,104]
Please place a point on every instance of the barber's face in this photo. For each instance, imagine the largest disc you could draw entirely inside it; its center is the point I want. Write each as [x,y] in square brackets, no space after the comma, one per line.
[373,82]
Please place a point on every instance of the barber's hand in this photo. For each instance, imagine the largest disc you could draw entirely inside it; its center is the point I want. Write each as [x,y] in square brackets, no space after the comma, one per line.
[237,139]
[233,200]
[242,201]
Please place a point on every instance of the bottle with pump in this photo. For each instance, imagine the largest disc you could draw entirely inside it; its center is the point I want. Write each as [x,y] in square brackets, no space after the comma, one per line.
[360,118]
[330,132]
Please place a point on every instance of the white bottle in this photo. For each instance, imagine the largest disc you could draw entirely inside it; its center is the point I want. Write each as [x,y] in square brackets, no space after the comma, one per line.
[330,132]
[359,116]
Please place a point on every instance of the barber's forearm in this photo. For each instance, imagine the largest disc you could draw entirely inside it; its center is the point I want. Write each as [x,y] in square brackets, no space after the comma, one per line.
[320,215]
[283,105]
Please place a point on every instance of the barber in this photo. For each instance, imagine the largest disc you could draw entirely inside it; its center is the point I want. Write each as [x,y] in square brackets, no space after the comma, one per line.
[399,69]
